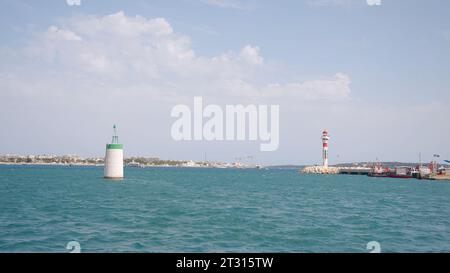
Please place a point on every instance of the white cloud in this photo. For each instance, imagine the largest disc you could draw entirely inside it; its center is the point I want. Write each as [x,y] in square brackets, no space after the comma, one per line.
[120,25]
[56,33]
[251,55]
[139,53]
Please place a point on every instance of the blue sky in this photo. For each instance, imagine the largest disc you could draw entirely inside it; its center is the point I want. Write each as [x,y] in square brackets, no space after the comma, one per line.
[378,75]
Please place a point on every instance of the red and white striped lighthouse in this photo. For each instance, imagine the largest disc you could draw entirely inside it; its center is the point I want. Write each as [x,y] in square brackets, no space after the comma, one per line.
[325,139]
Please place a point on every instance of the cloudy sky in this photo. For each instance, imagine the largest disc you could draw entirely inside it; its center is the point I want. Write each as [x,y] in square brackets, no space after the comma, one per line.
[374,73]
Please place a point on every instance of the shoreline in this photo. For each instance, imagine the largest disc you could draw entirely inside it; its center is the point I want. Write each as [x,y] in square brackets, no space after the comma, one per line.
[134,167]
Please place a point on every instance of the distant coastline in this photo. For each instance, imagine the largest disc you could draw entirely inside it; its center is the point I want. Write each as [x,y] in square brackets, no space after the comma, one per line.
[138,162]
[75,160]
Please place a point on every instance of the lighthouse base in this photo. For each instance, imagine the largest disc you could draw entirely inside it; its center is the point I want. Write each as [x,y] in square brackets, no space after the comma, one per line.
[113,178]
[113,162]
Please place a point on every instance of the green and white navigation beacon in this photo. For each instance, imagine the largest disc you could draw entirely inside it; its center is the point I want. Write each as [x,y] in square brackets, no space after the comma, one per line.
[114,158]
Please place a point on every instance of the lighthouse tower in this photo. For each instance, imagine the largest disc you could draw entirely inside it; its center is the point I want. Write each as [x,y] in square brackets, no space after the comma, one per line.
[325,139]
[114,158]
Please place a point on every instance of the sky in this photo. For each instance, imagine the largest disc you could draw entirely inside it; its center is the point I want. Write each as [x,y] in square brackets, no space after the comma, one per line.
[374,73]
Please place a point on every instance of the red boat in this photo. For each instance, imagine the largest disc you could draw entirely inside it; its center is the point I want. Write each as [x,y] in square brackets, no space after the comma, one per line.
[379,171]
[401,172]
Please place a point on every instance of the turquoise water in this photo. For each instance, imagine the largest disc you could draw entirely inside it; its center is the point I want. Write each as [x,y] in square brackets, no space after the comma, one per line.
[218,210]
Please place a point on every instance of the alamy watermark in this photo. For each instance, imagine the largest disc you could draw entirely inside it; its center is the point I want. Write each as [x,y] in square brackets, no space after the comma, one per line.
[74,247]
[234,122]
[374,2]
[73,2]
[374,247]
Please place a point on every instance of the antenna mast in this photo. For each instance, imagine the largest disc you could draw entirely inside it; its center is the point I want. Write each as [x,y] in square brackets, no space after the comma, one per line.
[115,138]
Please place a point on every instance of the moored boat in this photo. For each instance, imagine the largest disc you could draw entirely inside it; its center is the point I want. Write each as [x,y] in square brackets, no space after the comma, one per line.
[401,172]
[379,171]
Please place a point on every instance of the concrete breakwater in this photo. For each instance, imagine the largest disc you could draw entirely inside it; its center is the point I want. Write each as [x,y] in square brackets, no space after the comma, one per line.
[320,170]
[335,170]
[367,171]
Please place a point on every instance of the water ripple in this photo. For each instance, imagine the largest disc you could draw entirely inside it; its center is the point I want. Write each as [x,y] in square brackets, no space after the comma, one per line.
[214,210]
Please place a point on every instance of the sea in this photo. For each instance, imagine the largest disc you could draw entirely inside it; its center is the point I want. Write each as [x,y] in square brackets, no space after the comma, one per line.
[47,208]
